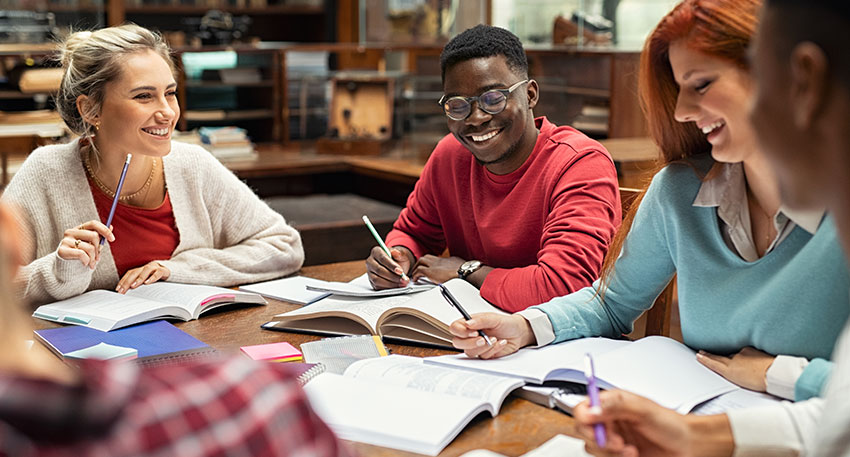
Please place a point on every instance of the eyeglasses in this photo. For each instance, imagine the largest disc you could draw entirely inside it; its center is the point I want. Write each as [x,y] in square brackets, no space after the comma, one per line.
[493,101]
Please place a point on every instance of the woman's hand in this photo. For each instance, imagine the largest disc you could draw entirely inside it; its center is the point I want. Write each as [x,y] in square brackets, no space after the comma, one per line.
[508,333]
[747,368]
[83,243]
[146,274]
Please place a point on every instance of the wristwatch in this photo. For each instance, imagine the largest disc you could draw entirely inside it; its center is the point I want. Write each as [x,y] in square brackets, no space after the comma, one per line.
[467,268]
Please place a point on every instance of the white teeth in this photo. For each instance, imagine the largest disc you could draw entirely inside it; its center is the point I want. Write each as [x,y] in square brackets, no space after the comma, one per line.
[711,127]
[484,137]
[157,132]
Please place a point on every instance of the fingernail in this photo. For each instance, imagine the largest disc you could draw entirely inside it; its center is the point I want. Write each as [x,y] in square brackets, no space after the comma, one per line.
[399,271]
[473,334]
[471,322]
[480,342]
[135,283]
[503,342]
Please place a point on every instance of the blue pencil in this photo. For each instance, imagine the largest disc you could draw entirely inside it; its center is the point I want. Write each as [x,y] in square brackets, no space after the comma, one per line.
[117,194]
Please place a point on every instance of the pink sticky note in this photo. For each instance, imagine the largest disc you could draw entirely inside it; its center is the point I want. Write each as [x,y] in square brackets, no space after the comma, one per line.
[271,351]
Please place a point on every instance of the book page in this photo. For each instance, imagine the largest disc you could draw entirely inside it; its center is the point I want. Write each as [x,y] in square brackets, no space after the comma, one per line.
[361,287]
[368,311]
[737,399]
[412,373]
[191,297]
[536,365]
[663,370]
[105,310]
[390,416]
[292,289]
[435,312]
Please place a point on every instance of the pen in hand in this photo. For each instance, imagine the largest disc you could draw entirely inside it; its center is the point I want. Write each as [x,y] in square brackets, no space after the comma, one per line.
[453,301]
[593,395]
[381,242]
[117,194]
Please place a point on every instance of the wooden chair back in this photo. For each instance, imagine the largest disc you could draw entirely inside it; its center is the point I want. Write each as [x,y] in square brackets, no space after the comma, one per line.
[659,316]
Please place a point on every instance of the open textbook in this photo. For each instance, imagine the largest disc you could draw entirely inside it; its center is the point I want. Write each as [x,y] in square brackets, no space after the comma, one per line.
[401,403]
[419,318]
[656,367]
[107,310]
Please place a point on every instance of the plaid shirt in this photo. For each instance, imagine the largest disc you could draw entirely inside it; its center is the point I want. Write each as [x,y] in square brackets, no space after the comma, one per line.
[230,407]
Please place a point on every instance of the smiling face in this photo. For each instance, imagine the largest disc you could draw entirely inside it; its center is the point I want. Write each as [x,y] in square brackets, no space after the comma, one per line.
[714,94]
[140,108]
[500,142]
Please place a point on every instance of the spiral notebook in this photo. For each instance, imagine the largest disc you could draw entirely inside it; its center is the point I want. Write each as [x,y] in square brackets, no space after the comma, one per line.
[305,371]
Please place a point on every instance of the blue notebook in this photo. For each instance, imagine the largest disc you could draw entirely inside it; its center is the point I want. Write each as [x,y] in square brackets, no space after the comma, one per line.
[157,342]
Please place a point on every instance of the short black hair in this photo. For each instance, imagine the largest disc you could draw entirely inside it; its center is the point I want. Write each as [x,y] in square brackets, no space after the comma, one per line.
[825,23]
[485,41]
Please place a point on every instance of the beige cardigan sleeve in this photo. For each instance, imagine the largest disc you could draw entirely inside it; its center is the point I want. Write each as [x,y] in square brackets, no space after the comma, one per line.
[228,236]
[50,194]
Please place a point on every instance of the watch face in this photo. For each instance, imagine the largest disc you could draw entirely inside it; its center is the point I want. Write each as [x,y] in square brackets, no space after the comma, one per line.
[470,266]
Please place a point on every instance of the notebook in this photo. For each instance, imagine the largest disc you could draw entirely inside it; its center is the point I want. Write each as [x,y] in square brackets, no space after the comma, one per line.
[107,310]
[656,367]
[293,290]
[401,403]
[421,318]
[336,354]
[156,342]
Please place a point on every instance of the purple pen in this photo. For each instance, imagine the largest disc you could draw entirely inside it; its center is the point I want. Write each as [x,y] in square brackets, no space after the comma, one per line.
[593,394]
[117,194]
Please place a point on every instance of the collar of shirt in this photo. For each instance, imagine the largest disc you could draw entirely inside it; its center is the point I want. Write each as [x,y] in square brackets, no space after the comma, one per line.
[48,411]
[728,193]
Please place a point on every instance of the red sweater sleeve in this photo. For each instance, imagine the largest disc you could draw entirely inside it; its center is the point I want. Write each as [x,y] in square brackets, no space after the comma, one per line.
[585,213]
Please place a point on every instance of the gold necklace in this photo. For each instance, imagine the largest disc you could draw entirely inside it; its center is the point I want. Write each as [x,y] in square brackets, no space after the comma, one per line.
[100,185]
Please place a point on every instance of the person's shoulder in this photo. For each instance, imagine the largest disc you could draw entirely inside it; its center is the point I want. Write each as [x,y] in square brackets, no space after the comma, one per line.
[570,143]
[681,179]
[49,159]
[54,153]
[688,171]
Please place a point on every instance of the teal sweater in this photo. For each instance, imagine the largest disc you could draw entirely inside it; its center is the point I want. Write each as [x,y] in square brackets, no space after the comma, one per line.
[793,301]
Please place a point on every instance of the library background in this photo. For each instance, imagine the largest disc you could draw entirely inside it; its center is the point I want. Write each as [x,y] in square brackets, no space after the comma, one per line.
[327,108]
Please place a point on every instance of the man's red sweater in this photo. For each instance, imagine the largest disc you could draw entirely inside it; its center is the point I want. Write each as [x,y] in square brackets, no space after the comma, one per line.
[545,227]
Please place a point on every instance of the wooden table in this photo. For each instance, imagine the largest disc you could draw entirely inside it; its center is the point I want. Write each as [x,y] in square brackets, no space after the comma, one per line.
[519,427]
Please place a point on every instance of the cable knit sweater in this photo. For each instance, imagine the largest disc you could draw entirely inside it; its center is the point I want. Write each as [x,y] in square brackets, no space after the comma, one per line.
[228,236]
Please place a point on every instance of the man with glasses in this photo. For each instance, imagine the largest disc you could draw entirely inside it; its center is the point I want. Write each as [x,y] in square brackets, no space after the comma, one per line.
[525,208]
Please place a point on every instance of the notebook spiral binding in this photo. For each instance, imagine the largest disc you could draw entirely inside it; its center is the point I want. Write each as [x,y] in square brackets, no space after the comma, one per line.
[308,375]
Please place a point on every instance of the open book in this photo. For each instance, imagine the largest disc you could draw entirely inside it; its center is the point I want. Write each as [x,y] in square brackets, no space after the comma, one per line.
[107,310]
[656,367]
[419,318]
[401,403]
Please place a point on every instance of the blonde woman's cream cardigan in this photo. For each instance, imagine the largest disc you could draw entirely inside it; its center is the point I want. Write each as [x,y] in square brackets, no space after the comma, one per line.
[228,236]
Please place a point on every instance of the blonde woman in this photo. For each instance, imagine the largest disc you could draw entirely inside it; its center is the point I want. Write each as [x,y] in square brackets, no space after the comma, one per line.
[181,215]
[120,409]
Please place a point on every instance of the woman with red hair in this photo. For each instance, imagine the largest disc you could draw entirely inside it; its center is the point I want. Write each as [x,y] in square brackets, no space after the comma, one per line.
[712,216]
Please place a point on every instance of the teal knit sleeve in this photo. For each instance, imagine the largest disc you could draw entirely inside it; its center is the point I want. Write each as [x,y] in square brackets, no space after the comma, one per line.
[813,379]
[641,272]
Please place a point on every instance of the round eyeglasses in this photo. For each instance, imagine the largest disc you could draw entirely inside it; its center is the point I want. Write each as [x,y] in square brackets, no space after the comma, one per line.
[492,101]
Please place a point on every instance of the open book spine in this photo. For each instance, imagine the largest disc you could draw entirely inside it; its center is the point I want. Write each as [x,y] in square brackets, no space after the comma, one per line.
[308,375]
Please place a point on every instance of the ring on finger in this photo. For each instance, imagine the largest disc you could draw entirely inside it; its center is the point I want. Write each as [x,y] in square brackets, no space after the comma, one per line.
[81,227]
[76,244]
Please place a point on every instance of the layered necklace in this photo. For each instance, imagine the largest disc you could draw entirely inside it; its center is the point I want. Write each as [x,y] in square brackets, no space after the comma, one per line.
[100,185]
